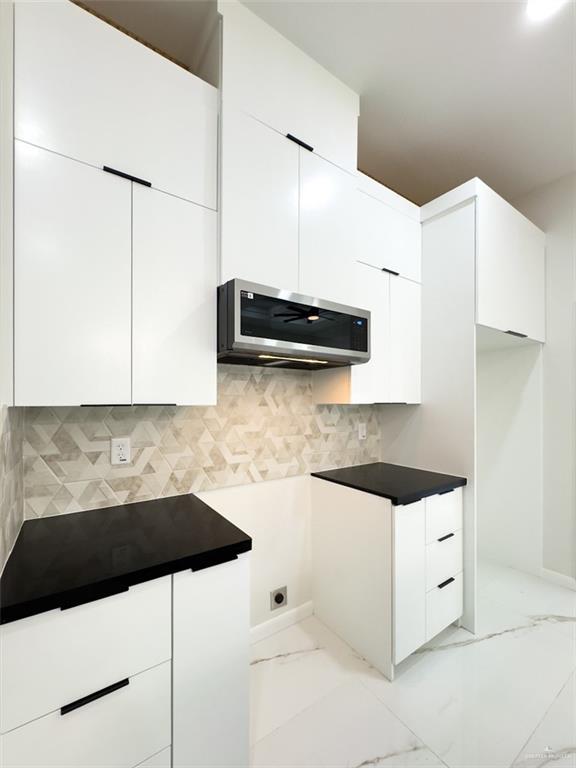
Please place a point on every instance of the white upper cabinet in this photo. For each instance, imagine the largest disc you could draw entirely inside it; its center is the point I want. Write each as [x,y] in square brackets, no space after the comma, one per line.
[369,381]
[405,351]
[393,373]
[174,300]
[259,211]
[271,79]
[72,282]
[510,268]
[389,230]
[327,230]
[88,91]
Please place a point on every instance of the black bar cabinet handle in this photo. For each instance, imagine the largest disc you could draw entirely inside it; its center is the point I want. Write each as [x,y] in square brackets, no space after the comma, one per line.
[128,176]
[445,583]
[300,143]
[93,696]
[444,538]
[515,333]
[389,271]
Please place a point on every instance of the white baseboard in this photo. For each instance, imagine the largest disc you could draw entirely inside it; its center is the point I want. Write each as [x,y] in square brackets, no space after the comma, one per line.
[278,623]
[558,578]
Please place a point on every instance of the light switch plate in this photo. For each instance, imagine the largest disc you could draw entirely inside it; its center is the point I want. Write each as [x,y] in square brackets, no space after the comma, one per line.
[120,450]
[362,431]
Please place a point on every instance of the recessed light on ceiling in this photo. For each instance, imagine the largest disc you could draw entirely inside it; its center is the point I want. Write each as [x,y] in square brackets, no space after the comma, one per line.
[539,10]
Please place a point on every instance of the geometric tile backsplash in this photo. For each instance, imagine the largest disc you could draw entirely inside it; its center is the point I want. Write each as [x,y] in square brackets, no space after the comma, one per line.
[264,427]
[11,478]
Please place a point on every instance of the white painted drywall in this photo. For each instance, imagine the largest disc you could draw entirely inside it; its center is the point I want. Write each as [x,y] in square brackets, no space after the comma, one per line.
[439,434]
[6,202]
[276,514]
[553,208]
[509,456]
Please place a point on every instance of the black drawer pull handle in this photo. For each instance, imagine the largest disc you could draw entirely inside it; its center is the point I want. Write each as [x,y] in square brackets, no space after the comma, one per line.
[444,538]
[389,271]
[445,583]
[128,176]
[93,696]
[300,143]
[217,559]
[515,333]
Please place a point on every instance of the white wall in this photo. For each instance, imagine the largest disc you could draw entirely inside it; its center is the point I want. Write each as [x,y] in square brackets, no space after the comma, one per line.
[439,434]
[277,516]
[509,456]
[553,208]
[6,209]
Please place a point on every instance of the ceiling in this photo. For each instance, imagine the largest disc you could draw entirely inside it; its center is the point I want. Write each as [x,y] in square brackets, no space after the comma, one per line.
[449,90]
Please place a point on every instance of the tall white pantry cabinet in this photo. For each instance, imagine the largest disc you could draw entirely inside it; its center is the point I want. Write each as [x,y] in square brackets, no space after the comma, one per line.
[115,163]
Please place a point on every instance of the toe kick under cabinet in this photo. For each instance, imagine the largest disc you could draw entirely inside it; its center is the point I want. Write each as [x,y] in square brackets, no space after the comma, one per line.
[386,578]
[155,676]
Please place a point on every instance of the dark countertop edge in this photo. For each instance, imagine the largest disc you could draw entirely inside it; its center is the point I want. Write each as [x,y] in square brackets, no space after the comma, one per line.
[398,501]
[118,584]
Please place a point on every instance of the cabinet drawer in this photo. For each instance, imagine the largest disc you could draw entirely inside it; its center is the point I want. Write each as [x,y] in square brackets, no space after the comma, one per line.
[443,559]
[443,606]
[443,514]
[118,730]
[49,660]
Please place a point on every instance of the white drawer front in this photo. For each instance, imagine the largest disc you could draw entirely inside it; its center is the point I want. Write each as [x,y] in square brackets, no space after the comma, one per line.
[443,606]
[116,731]
[443,514]
[51,659]
[443,559]
[161,760]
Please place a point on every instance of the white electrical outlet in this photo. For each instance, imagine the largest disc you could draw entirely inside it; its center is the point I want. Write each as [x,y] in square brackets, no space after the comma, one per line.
[120,450]
[362,431]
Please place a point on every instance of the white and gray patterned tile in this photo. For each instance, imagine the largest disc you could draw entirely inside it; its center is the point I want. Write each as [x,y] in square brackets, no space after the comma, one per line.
[264,427]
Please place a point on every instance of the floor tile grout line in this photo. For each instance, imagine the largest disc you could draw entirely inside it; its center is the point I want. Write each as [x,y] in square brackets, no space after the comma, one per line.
[571,675]
[396,717]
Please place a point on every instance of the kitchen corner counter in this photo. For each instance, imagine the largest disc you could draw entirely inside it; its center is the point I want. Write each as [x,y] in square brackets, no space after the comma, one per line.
[402,485]
[67,560]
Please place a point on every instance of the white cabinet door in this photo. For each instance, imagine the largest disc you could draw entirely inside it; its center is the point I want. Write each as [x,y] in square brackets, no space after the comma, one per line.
[404,361]
[211,665]
[387,239]
[510,269]
[90,92]
[259,235]
[409,617]
[117,730]
[327,230]
[369,381]
[72,282]
[174,297]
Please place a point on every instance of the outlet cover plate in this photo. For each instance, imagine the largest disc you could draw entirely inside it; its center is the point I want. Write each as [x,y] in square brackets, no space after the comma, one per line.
[120,450]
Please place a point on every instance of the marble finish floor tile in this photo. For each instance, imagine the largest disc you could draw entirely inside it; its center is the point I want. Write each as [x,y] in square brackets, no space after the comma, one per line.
[553,743]
[348,728]
[481,700]
[295,668]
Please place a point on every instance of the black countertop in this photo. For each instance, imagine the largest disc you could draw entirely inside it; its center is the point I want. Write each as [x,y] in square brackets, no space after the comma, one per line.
[402,485]
[67,560]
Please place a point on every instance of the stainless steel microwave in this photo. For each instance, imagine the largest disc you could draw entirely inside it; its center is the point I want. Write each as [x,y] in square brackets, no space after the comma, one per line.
[258,325]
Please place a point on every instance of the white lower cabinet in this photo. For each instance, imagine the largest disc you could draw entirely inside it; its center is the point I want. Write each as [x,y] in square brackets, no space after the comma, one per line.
[377,581]
[117,730]
[211,666]
[155,676]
